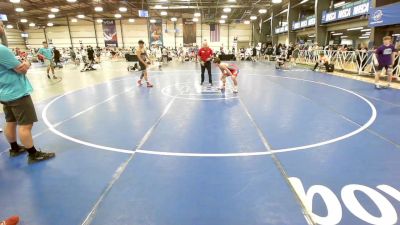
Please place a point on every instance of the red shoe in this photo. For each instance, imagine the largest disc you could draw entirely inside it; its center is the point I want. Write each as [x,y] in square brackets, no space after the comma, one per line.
[14,220]
[149,85]
[139,82]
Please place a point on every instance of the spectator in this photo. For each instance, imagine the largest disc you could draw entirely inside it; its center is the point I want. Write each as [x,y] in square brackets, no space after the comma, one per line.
[57,56]
[47,55]
[18,107]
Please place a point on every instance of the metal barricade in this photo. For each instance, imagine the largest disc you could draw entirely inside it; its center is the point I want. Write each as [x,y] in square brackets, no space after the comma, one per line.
[359,62]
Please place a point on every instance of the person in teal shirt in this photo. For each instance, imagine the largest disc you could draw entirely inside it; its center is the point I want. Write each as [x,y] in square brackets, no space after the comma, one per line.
[19,111]
[13,83]
[47,54]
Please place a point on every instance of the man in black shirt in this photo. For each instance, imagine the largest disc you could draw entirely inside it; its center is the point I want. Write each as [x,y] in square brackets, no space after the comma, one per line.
[90,53]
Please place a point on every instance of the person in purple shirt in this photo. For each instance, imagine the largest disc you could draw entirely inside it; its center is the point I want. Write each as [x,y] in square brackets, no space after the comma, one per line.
[385,55]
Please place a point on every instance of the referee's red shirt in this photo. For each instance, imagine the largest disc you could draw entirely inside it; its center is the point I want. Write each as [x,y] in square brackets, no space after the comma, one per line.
[205,53]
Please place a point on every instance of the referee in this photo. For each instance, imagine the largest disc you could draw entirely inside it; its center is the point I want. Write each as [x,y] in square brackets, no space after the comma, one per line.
[205,54]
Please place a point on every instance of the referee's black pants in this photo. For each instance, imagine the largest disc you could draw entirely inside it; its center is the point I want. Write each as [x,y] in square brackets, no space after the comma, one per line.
[203,69]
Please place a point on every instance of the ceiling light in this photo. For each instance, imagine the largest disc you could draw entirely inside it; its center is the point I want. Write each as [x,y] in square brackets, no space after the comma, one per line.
[395,35]
[74,20]
[222,21]
[344,36]
[123,9]
[51,16]
[276,1]
[365,30]
[158,6]
[246,22]
[337,34]
[253,17]
[117,15]
[81,16]
[364,37]
[9,26]
[337,5]
[164,13]
[98,9]
[231,0]
[15,1]
[19,9]
[99,20]
[304,1]
[131,20]
[71,1]
[32,24]
[262,11]
[54,10]
[23,20]
[195,20]
[356,28]
[174,19]
[153,21]
[224,16]
[227,10]
[50,24]
[197,14]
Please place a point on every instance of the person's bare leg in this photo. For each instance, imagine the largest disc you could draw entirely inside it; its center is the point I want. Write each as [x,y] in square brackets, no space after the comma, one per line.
[147,79]
[52,70]
[377,75]
[25,135]
[223,79]
[234,81]
[10,131]
[389,73]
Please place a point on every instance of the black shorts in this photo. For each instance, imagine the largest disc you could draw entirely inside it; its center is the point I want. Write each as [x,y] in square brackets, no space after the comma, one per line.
[20,111]
[142,66]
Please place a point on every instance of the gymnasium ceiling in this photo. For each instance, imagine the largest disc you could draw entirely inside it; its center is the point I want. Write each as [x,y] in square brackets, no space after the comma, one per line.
[37,11]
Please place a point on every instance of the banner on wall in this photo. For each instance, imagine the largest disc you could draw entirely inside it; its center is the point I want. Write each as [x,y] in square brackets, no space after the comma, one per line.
[357,8]
[386,15]
[110,33]
[189,32]
[156,34]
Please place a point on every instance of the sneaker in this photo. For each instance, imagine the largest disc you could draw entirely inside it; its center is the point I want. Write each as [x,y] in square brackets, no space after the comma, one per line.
[40,156]
[210,84]
[139,82]
[235,90]
[14,220]
[377,86]
[149,85]
[221,88]
[48,76]
[201,84]
[20,151]
[54,77]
